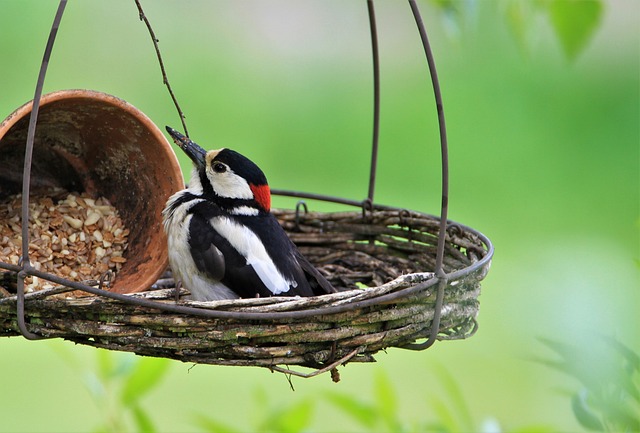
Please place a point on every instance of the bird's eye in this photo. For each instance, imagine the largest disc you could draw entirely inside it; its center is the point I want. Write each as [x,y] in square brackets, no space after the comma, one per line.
[219,167]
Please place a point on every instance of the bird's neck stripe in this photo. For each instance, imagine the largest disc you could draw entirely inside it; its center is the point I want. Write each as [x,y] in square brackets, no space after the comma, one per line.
[262,195]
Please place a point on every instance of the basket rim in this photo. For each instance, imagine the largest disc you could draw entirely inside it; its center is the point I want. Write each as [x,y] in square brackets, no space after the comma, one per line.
[195,310]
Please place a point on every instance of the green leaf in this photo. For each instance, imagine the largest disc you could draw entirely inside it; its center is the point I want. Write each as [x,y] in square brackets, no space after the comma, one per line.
[101,429]
[583,413]
[292,419]
[451,11]
[632,358]
[608,370]
[146,375]
[142,420]
[586,366]
[386,400]
[363,413]
[457,398]
[574,22]
[105,363]
[69,357]
[625,419]
[260,406]
[518,16]
[213,426]
[95,386]
[434,427]
[298,417]
[446,417]
[535,428]
[123,364]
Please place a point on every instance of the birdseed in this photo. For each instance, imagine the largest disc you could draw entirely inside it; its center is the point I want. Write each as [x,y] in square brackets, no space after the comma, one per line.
[71,235]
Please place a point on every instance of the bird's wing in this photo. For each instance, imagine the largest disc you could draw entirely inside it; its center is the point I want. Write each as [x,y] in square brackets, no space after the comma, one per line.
[227,249]
[220,260]
[319,284]
[251,260]
[304,279]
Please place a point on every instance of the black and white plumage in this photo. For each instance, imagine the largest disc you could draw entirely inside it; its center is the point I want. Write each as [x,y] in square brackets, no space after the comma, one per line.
[223,241]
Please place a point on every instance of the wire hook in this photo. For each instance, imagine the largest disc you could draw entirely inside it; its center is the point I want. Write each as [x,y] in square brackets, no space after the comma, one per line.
[300,204]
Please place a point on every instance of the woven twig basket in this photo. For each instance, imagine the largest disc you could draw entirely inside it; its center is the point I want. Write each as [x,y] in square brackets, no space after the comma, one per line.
[391,246]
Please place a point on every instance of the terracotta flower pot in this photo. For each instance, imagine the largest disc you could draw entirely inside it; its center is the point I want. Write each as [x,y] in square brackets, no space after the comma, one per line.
[97,143]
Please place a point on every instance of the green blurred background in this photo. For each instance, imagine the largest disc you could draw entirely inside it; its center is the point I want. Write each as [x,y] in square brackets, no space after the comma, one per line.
[544,148]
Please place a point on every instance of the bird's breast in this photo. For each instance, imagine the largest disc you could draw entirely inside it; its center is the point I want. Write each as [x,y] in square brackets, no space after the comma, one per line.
[176,219]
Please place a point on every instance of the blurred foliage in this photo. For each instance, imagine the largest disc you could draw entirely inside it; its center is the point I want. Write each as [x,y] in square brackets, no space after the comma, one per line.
[609,374]
[447,413]
[379,415]
[117,383]
[267,416]
[574,22]
[609,399]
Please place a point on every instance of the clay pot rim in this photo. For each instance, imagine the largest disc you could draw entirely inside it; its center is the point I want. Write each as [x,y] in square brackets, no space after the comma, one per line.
[165,150]
[66,94]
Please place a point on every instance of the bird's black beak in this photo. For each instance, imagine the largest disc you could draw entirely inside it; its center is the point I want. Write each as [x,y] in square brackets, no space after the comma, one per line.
[193,151]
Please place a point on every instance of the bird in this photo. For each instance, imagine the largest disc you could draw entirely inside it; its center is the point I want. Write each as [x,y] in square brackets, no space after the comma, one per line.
[223,241]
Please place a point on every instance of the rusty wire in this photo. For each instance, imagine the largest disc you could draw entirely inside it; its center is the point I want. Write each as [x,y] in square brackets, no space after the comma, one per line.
[376,98]
[440,274]
[24,269]
[26,173]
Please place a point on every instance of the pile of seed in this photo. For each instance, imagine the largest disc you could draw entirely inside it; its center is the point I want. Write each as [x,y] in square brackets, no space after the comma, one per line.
[70,235]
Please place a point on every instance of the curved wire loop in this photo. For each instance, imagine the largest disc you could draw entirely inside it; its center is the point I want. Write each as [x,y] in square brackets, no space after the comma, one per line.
[440,274]
[26,174]
[301,204]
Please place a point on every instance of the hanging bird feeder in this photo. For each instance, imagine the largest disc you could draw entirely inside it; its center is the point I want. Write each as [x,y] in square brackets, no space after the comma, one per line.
[410,278]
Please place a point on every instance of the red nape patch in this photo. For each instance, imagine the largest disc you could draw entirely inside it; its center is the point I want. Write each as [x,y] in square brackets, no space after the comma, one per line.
[262,195]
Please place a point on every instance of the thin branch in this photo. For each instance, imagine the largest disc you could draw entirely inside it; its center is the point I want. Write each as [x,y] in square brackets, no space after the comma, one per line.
[322,370]
[165,80]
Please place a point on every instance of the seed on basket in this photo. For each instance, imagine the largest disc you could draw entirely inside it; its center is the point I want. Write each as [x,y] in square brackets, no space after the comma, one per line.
[70,235]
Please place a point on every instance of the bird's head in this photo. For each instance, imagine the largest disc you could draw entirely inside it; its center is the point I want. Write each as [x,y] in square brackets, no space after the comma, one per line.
[225,174]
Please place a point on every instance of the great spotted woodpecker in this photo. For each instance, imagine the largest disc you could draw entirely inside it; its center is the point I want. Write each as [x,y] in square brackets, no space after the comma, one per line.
[223,241]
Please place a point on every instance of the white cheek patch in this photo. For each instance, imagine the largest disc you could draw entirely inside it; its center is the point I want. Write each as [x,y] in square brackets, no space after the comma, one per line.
[230,185]
[247,243]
